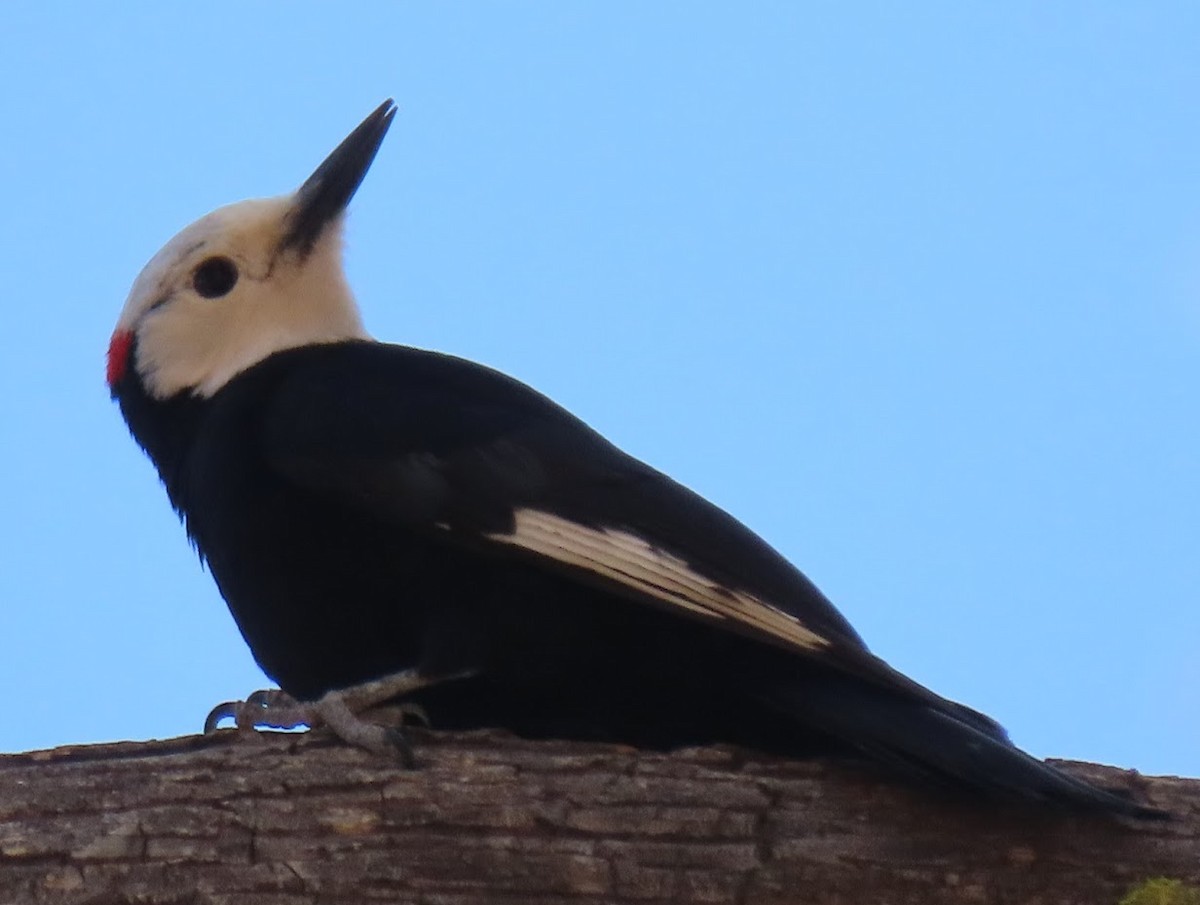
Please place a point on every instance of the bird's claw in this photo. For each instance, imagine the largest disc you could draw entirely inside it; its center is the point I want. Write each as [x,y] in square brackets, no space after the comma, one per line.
[401,748]
[268,708]
[226,710]
[400,715]
[383,733]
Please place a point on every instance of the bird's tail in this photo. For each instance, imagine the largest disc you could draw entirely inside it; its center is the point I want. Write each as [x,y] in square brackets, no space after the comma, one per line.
[943,742]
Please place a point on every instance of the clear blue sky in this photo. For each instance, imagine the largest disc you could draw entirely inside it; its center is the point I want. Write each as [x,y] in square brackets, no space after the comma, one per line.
[912,289]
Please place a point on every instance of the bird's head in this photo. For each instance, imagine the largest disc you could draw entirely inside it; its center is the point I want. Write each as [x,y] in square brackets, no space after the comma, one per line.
[246,281]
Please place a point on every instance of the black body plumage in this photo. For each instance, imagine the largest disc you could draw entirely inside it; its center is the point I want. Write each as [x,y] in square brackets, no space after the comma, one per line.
[340,494]
[369,508]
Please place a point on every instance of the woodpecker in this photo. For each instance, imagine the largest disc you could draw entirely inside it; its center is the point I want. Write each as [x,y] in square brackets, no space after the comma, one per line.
[392,524]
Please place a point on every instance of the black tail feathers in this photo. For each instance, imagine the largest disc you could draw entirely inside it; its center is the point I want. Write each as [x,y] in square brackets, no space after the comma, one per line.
[942,742]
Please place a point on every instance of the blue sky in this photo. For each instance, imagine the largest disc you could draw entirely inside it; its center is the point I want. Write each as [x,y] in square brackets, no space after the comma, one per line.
[911,289]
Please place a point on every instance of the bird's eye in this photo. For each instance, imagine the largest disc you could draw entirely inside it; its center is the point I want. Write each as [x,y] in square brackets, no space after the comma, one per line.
[215,277]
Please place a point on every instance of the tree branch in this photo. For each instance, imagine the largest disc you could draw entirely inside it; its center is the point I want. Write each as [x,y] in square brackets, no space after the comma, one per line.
[289,819]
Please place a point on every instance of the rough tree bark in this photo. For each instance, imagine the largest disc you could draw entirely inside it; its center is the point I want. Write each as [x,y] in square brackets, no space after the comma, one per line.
[289,819]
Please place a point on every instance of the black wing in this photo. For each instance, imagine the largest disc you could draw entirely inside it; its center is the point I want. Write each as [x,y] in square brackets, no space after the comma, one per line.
[460,451]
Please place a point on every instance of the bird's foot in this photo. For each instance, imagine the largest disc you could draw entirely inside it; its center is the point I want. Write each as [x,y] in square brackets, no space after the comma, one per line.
[341,711]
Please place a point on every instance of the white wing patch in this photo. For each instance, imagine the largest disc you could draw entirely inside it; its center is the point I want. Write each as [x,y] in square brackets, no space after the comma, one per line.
[634,562]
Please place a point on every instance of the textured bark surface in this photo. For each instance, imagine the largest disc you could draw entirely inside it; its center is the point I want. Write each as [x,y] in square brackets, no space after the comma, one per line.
[289,819]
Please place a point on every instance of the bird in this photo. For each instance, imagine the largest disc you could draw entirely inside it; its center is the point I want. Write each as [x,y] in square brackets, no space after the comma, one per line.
[387,523]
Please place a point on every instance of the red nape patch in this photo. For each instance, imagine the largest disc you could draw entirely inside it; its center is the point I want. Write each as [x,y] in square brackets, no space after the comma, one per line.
[118,355]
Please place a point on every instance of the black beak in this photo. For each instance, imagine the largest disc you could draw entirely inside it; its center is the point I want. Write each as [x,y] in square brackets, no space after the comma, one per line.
[329,189]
